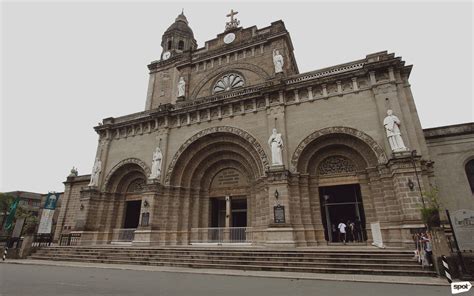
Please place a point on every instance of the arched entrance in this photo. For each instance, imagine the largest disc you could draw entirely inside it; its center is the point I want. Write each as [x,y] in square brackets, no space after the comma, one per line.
[217,173]
[125,186]
[336,165]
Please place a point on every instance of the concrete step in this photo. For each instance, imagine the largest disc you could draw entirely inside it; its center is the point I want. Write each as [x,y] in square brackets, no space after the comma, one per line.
[325,269]
[342,260]
[236,250]
[359,265]
[233,253]
[240,257]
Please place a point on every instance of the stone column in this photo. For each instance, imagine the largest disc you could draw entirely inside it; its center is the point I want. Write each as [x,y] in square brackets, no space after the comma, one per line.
[227,211]
[86,219]
[279,234]
[144,234]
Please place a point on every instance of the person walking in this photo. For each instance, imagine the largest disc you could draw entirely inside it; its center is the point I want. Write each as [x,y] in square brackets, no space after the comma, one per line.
[428,248]
[342,232]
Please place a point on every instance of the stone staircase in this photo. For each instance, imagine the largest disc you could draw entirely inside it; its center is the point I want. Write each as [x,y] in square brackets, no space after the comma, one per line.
[330,260]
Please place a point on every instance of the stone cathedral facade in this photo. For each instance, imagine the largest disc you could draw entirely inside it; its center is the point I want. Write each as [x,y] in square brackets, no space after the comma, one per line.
[202,155]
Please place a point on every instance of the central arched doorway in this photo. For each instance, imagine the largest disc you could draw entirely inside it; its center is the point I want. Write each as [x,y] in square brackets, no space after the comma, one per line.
[228,195]
[217,174]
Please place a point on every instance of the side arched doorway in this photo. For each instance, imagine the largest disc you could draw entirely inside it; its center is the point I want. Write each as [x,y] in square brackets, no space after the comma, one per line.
[336,166]
[124,188]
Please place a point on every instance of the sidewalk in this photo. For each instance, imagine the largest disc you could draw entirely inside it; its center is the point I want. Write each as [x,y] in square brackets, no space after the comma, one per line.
[432,281]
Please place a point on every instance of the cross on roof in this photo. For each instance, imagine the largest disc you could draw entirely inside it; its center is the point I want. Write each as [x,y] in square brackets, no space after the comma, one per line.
[231,15]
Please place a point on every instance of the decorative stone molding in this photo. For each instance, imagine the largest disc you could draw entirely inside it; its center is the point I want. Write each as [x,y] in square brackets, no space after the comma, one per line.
[221,70]
[324,73]
[228,82]
[335,165]
[137,186]
[381,157]
[136,161]
[219,129]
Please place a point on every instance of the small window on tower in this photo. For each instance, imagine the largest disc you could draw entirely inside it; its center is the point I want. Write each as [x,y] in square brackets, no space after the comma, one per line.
[180,45]
[169,44]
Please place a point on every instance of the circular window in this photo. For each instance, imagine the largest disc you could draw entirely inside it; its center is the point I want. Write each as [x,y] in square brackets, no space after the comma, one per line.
[228,82]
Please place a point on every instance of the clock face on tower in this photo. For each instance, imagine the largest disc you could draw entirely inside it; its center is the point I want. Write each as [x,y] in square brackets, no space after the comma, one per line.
[229,38]
[166,55]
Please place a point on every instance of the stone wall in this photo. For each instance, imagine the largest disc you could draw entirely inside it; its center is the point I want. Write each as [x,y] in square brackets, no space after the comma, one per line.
[70,205]
[451,147]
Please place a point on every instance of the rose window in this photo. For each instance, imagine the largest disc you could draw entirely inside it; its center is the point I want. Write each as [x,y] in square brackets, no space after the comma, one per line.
[228,82]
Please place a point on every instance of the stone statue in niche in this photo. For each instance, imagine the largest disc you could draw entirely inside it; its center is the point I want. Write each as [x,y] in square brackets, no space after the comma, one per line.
[181,87]
[392,127]
[278,61]
[96,172]
[276,145]
[156,164]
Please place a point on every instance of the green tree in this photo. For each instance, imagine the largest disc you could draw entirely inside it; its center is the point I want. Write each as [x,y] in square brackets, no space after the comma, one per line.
[5,202]
[430,213]
[31,221]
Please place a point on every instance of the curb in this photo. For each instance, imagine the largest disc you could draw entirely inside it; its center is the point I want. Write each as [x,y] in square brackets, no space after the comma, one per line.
[226,272]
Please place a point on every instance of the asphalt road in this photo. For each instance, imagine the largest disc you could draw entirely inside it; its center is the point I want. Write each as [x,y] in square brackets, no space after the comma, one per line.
[18,279]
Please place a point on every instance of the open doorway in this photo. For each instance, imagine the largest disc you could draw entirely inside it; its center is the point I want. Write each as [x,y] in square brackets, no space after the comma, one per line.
[342,203]
[132,214]
[238,212]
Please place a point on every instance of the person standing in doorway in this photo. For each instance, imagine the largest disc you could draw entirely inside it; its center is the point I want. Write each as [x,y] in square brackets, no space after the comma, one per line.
[334,233]
[351,226]
[358,230]
[342,232]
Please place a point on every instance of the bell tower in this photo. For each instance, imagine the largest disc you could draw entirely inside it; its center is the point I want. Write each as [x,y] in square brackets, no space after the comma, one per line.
[178,38]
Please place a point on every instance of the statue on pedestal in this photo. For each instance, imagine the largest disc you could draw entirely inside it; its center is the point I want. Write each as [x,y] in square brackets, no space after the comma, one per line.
[96,172]
[276,145]
[181,87]
[278,61]
[74,172]
[392,127]
[156,164]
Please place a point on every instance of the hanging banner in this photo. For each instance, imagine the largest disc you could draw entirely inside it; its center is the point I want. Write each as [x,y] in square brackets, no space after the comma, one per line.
[463,227]
[51,201]
[11,214]
[46,221]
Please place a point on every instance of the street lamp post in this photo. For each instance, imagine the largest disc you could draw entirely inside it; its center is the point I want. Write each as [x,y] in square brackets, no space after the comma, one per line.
[413,154]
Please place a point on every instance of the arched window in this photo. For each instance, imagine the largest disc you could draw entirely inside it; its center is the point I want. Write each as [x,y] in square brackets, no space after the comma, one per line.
[180,45]
[228,82]
[169,44]
[470,173]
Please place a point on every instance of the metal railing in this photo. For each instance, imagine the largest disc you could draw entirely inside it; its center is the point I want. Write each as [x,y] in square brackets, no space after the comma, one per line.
[69,239]
[222,235]
[42,240]
[124,235]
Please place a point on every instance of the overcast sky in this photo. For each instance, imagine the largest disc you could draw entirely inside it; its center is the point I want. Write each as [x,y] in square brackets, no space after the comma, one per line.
[65,66]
